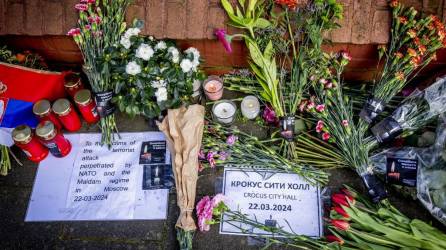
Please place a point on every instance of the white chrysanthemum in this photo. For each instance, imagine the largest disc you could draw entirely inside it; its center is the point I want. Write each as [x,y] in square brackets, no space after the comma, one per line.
[132,68]
[160,45]
[186,65]
[175,54]
[132,32]
[158,84]
[195,52]
[144,52]
[161,94]
[125,42]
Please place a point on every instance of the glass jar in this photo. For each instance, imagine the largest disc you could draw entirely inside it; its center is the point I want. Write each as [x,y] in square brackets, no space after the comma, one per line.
[73,83]
[54,140]
[42,109]
[67,115]
[23,137]
[86,106]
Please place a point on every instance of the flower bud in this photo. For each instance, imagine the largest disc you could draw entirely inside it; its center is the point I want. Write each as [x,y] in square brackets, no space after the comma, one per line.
[341,224]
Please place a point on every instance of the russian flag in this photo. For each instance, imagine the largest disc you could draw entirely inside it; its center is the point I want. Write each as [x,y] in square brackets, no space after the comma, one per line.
[20,88]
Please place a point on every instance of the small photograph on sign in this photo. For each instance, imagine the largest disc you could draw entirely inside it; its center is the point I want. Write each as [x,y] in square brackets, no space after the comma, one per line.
[153,152]
[157,177]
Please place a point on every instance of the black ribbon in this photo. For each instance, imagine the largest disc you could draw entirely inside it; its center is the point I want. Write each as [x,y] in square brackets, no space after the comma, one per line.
[287,124]
[103,103]
[372,108]
[375,188]
[386,130]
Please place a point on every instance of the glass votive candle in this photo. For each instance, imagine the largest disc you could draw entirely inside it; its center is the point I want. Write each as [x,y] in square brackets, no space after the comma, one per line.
[250,107]
[224,111]
[213,88]
[73,83]
[24,138]
[67,115]
[42,109]
[87,106]
[53,139]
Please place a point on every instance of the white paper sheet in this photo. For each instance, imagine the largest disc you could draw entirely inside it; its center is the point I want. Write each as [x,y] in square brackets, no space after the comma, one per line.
[70,189]
[273,198]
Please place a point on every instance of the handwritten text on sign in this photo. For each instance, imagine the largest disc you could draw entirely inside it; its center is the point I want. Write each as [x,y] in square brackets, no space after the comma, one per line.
[273,198]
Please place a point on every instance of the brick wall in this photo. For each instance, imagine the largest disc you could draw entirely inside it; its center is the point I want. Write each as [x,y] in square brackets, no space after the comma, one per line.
[366,21]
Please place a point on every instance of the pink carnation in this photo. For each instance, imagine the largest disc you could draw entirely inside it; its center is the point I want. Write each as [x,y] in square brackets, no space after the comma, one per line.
[204,213]
[302,105]
[323,81]
[326,136]
[81,7]
[319,126]
[218,198]
[231,140]
[310,105]
[320,108]
[345,123]
[210,158]
[74,32]
[329,85]
[345,55]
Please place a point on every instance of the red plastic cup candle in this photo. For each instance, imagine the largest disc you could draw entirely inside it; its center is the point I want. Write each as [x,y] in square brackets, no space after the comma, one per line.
[42,109]
[73,83]
[224,111]
[213,88]
[23,137]
[54,140]
[67,115]
[86,106]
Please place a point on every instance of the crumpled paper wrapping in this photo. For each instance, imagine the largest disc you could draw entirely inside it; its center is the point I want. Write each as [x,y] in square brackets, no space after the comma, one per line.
[183,128]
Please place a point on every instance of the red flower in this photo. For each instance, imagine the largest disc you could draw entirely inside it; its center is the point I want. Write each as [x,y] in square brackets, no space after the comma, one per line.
[412,33]
[74,32]
[399,75]
[349,194]
[342,199]
[394,3]
[333,238]
[415,61]
[341,211]
[326,136]
[302,105]
[399,55]
[422,49]
[319,126]
[320,108]
[341,224]
[310,105]
[224,39]
[402,20]
[81,7]
[292,4]
[412,52]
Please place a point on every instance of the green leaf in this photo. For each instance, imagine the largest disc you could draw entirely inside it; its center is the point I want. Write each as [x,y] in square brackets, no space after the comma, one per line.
[262,23]
[269,51]
[227,6]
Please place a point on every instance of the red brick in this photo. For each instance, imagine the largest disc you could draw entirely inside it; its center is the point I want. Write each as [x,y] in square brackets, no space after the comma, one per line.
[52,18]
[381,26]
[63,43]
[33,18]
[2,17]
[433,7]
[361,29]
[155,18]
[197,12]
[216,19]
[14,17]
[70,15]
[175,23]
[417,4]
[344,33]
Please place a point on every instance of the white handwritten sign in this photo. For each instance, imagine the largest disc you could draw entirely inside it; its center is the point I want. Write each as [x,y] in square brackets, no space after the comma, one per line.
[275,199]
[95,183]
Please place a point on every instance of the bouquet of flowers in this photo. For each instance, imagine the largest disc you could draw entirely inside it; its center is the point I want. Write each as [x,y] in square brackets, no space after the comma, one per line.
[152,76]
[222,145]
[100,25]
[282,69]
[414,41]
[357,223]
[25,58]
[414,112]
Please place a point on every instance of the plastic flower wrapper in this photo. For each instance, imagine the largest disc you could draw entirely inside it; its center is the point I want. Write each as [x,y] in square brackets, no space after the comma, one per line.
[414,41]
[358,223]
[415,112]
[229,146]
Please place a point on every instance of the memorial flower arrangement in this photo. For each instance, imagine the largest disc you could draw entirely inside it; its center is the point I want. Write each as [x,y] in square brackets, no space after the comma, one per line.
[152,75]
[414,41]
[222,145]
[282,69]
[100,26]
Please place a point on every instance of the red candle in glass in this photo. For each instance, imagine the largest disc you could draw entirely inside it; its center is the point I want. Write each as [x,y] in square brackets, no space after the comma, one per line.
[67,115]
[86,106]
[73,83]
[54,140]
[30,145]
[42,109]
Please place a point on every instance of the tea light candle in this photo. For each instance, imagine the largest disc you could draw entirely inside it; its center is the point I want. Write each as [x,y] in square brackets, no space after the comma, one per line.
[250,107]
[224,111]
[196,95]
[213,88]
